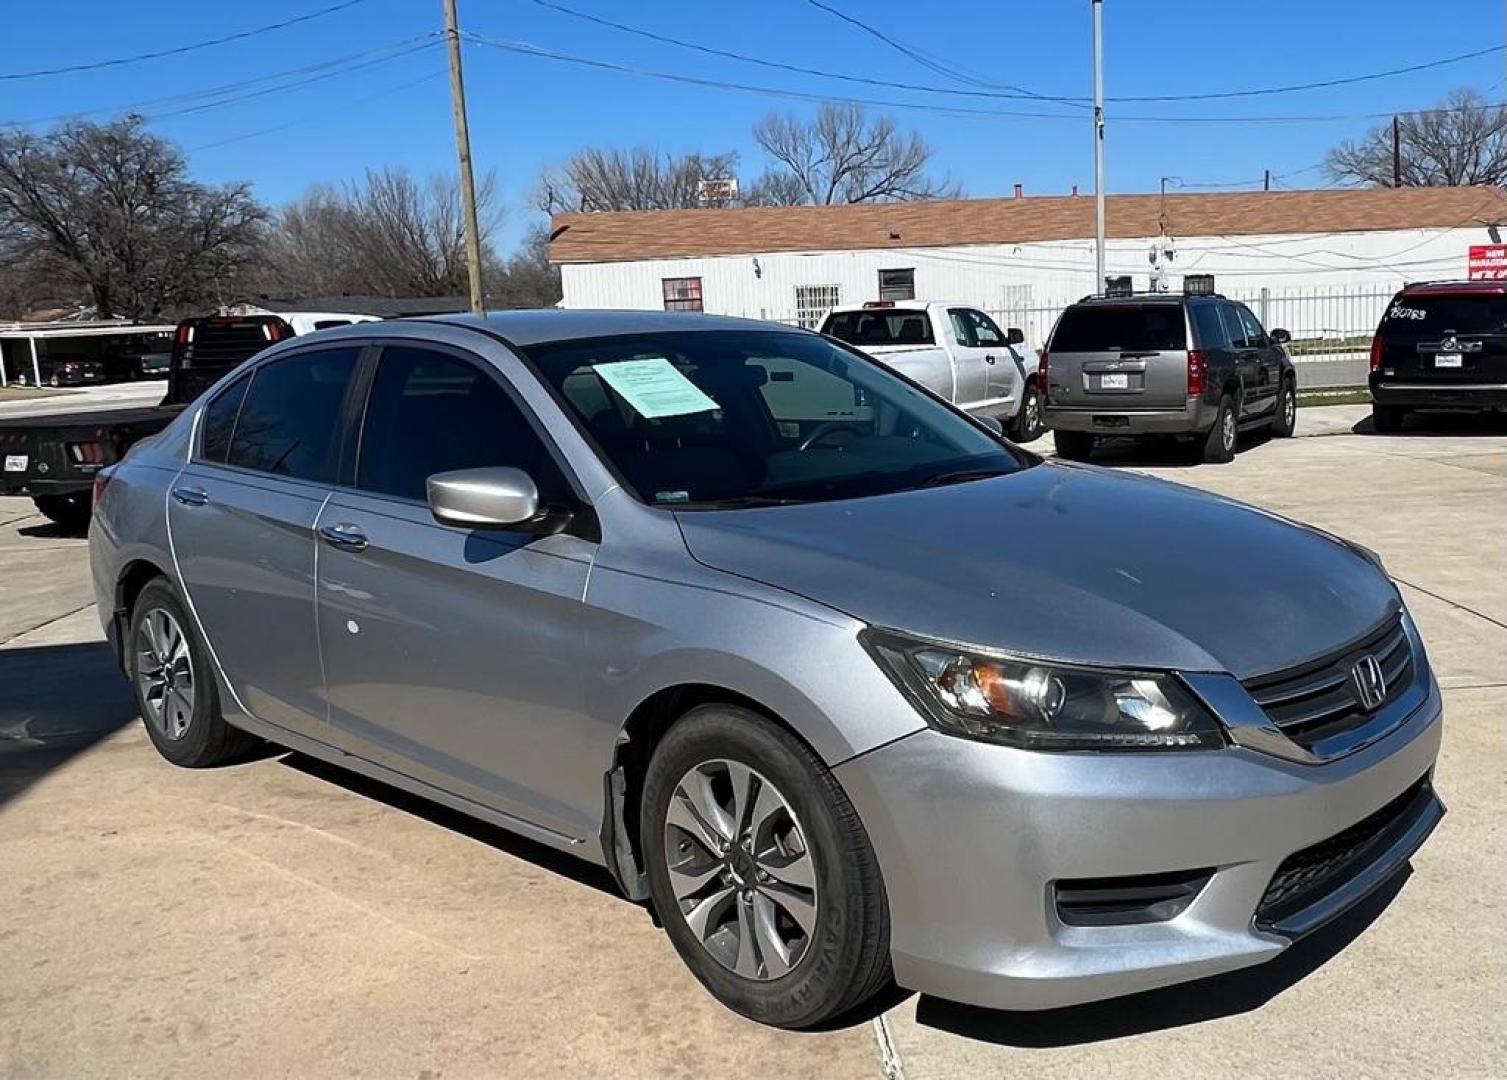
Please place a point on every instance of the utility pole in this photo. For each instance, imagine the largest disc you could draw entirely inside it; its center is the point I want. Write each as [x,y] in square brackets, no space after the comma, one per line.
[463,152]
[1396,154]
[1098,146]
[1266,181]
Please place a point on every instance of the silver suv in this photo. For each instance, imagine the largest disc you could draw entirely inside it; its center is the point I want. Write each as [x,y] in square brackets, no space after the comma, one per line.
[1200,367]
[842,699]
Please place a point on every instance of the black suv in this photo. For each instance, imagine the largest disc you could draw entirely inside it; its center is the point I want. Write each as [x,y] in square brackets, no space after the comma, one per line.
[1198,366]
[1440,345]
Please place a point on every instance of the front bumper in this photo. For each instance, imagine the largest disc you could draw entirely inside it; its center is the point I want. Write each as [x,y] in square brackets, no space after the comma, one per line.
[972,838]
[1421,394]
[1196,415]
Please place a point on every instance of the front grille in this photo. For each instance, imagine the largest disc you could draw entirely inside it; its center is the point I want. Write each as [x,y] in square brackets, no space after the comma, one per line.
[1307,876]
[1318,699]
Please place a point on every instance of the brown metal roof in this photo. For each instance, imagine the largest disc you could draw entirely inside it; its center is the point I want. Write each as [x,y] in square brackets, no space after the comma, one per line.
[659,234]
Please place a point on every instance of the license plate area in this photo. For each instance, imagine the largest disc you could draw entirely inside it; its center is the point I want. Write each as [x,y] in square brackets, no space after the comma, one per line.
[1111,421]
[16,462]
[1448,360]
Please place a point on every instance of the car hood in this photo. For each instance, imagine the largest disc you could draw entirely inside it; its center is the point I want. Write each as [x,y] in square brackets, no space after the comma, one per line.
[1065,562]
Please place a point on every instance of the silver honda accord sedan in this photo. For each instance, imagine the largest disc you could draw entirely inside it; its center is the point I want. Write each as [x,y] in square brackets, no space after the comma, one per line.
[845,686]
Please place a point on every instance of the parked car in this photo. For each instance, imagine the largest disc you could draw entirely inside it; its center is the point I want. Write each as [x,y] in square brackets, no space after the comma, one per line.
[595,577]
[64,369]
[137,358]
[55,458]
[1197,366]
[1441,345]
[955,351]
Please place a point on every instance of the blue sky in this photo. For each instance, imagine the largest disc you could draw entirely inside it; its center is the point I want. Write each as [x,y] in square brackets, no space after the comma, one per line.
[527,112]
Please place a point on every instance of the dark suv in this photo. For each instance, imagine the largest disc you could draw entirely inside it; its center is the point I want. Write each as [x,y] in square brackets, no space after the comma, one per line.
[1198,366]
[1440,345]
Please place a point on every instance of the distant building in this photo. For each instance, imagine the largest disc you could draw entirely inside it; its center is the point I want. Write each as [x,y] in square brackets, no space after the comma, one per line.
[1014,256]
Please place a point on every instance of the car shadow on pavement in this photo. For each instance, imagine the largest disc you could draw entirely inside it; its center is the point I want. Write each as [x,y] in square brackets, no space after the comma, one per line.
[1425,424]
[542,856]
[1173,1006]
[55,702]
[48,530]
[1164,452]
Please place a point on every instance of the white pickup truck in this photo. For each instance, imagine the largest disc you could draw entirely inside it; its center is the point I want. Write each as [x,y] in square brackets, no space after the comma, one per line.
[954,351]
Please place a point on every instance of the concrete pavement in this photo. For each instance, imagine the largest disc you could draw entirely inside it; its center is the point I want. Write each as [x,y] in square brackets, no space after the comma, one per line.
[281,918]
[86,398]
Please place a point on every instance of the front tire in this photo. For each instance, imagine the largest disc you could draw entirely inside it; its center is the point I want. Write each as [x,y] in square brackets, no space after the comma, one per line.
[1027,426]
[1388,419]
[171,672]
[761,871]
[70,511]
[1285,421]
[1074,445]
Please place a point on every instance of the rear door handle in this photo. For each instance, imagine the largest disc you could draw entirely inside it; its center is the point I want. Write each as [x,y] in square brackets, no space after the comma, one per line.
[345,536]
[988,358]
[191,496]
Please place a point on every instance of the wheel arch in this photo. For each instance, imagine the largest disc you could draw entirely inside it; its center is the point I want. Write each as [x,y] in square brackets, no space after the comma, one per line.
[640,734]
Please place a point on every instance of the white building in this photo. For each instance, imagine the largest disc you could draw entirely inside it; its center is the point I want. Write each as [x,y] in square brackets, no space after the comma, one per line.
[1025,258]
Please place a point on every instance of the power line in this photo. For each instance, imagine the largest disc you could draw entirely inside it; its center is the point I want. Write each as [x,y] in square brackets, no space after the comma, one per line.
[780,65]
[1218,95]
[933,65]
[227,93]
[524,48]
[179,50]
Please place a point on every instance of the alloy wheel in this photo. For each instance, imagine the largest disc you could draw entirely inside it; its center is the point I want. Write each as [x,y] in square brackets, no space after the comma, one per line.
[1227,432]
[1033,415]
[165,673]
[1290,409]
[740,869]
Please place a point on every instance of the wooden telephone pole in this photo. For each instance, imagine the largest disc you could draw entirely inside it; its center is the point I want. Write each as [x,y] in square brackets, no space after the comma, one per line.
[463,152]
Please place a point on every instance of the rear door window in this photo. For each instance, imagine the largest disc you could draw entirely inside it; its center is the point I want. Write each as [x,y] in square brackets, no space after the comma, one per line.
[1254,334]
[881,327]
[219,419]
[1423,317]
[1210,329]
[1121,328]
[289,422]
[1233,327]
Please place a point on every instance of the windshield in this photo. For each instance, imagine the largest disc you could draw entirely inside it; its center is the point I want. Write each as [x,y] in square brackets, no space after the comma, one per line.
[712,419]
[1428,317]
[1120,327]
[899,326]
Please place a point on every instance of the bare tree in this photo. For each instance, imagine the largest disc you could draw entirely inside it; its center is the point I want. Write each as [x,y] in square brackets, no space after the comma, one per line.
[598,179]
[108,210]
[386,235]
[1463,140]
[775,187]
[845,155]
[527,279]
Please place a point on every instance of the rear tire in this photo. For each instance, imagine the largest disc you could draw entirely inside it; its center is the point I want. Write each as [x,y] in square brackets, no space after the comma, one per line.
[1074,445]
[1027,426]
[1388,419]
[773,949]
[1286,418]
[71,511]
[173,677]
[1219,445]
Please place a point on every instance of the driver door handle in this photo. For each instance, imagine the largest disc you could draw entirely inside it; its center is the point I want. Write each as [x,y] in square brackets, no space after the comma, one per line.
[191,496]
[345,536]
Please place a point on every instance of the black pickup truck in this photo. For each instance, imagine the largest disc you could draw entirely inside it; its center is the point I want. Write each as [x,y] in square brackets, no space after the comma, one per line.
[53,458]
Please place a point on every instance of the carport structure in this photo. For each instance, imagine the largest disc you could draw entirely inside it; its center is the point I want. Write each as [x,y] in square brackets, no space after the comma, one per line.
[21,344]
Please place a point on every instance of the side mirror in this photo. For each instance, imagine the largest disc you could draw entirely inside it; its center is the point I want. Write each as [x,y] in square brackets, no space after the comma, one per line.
[993,424]
[495,497]
[1281,337]
[1014,336]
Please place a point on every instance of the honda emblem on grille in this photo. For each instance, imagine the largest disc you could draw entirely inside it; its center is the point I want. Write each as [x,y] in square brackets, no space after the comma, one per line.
[1369,683]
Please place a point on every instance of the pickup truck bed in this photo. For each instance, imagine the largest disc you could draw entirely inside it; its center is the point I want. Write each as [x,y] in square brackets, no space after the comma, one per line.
[59,454]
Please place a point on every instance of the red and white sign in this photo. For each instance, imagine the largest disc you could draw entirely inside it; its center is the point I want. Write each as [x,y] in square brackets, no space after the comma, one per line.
[1488,262]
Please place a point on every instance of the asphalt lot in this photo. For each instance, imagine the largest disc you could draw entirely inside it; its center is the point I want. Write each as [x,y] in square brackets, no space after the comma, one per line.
[282,918]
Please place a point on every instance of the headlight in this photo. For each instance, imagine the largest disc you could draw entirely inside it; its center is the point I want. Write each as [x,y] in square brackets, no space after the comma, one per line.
[1041,706]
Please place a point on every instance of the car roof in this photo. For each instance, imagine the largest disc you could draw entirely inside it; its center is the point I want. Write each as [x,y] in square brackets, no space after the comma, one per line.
[1423,288]
[536,327]
[1137,299]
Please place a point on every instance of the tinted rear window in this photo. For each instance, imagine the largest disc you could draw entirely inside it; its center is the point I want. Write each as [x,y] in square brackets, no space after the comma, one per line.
[288,422]
[880,327]
[1120,327]
[1427,318]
